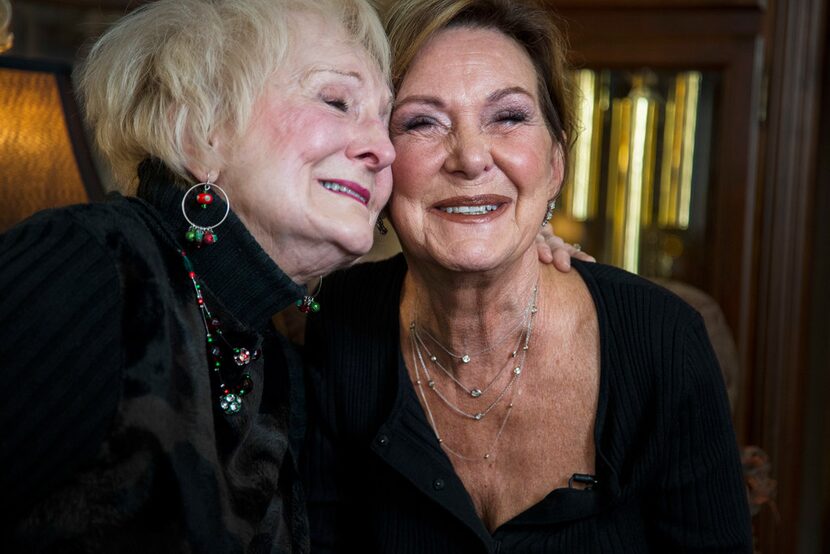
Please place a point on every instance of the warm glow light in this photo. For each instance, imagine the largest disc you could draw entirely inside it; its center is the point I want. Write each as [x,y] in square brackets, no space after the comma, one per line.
[668,174]
[689,128]
[6,38]
[679,152]
[37,162]
[636,181]
[582,159]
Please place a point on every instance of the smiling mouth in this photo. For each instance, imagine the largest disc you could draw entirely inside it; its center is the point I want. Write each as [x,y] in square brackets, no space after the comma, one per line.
[477,208]
[349,189]
[470,210]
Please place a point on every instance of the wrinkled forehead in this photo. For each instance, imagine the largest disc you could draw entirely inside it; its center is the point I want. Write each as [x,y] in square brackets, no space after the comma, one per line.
[321,41]
[355,29]
[470,56]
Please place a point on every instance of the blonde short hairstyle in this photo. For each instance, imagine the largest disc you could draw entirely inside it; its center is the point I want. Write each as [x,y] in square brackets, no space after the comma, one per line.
[173,72]
[410,24]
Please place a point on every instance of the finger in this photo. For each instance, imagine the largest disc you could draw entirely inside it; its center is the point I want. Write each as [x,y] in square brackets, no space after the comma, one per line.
[584,257]
[562,260]
[544,251]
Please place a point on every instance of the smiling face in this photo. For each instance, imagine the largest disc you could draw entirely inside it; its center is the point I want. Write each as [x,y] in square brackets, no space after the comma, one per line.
[476,164]
[311,173]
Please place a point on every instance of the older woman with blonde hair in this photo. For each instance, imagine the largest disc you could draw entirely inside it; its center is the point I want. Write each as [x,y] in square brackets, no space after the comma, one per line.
[151,407]
[493,404]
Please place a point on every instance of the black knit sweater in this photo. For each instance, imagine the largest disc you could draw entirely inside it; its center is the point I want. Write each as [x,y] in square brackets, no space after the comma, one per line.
[669,478]
[113,440]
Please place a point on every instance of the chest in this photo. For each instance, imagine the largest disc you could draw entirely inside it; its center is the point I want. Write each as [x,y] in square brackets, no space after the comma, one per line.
[531,442]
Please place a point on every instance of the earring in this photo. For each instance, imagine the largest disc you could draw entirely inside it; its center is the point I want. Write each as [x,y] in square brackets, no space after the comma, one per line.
[201,234]
[307,303]
[380,226]
[549,213]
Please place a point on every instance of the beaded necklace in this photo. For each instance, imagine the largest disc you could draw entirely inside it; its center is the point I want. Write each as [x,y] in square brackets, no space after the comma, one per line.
[231,396]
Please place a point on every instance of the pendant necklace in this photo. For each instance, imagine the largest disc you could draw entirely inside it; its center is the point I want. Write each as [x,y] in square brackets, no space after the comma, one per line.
[231,396]
[467,357]
[512,386]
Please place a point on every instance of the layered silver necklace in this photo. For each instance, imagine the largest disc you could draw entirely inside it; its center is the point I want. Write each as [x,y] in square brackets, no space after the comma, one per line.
[519,353]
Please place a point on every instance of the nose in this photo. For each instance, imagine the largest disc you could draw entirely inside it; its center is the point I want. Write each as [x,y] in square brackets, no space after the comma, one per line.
[372,146]
[469,152]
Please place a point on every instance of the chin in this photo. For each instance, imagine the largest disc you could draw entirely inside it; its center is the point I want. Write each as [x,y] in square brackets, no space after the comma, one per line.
[355,239]
[472,257]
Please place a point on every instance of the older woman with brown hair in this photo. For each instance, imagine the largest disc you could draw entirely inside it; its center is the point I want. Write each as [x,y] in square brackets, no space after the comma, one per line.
[468,398]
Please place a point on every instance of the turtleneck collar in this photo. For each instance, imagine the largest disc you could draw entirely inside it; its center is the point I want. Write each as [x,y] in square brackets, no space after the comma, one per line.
[235,269]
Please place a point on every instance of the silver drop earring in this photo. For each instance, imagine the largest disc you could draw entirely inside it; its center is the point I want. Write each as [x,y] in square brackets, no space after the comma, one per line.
[549,213]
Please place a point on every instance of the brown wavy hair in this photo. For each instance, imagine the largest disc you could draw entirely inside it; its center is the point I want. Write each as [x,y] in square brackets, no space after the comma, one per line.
[410,24]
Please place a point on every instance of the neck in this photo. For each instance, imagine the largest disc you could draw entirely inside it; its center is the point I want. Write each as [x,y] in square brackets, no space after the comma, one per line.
[304,260]
[471,312]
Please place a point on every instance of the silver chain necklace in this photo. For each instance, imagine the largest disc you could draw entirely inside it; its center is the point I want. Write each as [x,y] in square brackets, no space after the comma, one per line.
[417,357]
[477,392]
[474,392]
[467,357]
[477,416]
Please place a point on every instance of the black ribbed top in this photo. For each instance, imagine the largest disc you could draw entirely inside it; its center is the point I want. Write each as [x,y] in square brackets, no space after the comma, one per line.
[109,402]
[666,457]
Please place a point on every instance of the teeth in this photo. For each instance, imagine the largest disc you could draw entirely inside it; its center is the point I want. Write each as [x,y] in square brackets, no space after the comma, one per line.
[337,187]
[471,210]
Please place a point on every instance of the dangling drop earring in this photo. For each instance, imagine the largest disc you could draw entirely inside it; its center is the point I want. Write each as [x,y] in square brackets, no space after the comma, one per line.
[307,303]
[200,234]
[549,213]
[381,227]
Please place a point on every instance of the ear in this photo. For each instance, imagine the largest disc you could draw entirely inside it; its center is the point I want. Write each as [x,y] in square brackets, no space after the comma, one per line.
[557,169]
[203,159]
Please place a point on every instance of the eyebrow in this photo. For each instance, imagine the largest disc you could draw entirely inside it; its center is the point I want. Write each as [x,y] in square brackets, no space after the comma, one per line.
[437,103]
[501,93]
[352,74]
[386,107]
[420,99]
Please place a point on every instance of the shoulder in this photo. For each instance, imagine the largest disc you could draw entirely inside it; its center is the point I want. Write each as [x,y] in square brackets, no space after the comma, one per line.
[80,247]
[351,345]
[98,222]
[364,288]
[622,297]
[649,335]
[371,273]
[64,244]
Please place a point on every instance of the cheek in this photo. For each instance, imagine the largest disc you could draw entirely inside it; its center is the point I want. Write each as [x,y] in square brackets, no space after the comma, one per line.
[383,189]
[415,162]
[306,134]
[401,210]
[528,168]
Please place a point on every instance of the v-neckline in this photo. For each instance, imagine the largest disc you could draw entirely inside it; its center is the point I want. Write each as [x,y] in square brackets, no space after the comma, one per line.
[561,504]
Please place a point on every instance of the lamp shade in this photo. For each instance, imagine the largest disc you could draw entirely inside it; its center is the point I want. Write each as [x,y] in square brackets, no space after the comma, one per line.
[44,158]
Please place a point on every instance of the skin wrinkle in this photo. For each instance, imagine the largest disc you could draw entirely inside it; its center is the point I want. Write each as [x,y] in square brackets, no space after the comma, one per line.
[469,282]
[323,116]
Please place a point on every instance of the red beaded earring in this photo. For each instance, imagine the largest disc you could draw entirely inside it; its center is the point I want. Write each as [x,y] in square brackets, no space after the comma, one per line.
[200,234]
[308,303]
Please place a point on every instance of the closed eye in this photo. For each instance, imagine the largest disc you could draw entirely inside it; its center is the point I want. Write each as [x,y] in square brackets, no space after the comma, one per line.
[511,116]
[417,122]
[337,103]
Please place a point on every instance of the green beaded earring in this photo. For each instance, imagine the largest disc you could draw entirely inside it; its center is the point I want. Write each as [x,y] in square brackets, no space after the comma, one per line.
[200,234]
[307,303]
